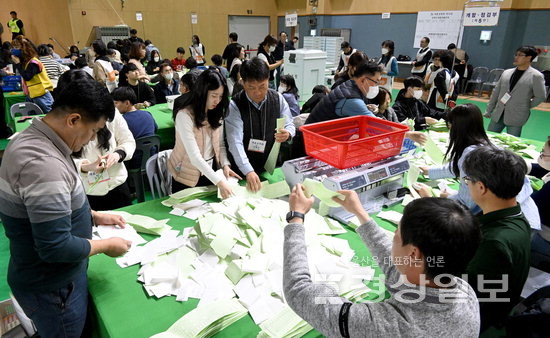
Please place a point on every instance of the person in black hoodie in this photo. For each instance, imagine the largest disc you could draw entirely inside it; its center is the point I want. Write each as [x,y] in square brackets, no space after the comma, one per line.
[318,92]
[409,106]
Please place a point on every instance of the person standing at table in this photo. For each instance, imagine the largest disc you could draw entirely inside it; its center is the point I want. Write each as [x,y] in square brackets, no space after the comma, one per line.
[251,125]
[129,76]
[15,25]
[422,59]
[279,53]
[46,214]
[517,91]
[200,149]
[427,299]
[167,86]
[466,133]
[197,50]
[347,51]
[265,53]
[388,62]
[36,85]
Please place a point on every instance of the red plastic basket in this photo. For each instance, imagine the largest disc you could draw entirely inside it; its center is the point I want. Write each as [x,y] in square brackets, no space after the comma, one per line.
[352,141]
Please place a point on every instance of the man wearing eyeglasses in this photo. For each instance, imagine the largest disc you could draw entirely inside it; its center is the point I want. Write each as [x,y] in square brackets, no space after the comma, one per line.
[518,90]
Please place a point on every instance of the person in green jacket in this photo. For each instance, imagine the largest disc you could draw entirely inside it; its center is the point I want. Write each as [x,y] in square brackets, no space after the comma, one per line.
[501,264]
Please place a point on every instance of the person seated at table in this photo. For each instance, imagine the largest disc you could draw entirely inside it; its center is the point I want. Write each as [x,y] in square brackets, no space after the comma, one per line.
[73,50]
[136,54]
[540,243]
[288,89]
[408,105]
[153,65]
[37,86]
[200,149]
[251,125]
[82,64]
[234,81]
[168,84]
[179,61]
[186,84]
[140,122]
[502,259]
[427,299]
[218,61]
[129,76]
[53,68]
[466,133]
[192,65]
[381,106]
[112,56]
[319,92]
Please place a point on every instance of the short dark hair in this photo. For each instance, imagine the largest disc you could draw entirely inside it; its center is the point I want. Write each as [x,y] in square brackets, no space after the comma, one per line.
[189,79]
[450,232]
[344,44]
[123,77]
[180,50]
[111,44]
[80,62]
[413,81]
[528,51]
[50,45]
[319,89]
[99,48]
[485,164]
[147,42]
[13,12]
[43,50]
[451,46]
[366,68]
[268,41]
[357,58]
[427,39]
[234,36]
[164,65]
[76,91]
[124,93]
[281,33]
[446,59]
[217,59]
[210,79]
[191,63]
[438,53]
[254,70]
[133,31]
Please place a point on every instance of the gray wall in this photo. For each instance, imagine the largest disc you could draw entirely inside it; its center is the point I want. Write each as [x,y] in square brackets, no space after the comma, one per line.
[515,28]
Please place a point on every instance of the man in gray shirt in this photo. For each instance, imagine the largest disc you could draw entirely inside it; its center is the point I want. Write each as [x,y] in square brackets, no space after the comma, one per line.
[427,300]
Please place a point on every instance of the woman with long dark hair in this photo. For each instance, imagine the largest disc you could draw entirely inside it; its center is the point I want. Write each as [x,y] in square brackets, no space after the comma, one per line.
[466,133]
[200,149]
[36,83]
[197,50]
[265,49]
[290,93]
[389,64]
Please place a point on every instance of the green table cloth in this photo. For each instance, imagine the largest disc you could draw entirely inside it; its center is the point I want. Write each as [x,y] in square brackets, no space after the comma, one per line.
[163,117]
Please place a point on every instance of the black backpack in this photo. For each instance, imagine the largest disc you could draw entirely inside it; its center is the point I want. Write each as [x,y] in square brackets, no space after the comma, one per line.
[531,317]
[402,57]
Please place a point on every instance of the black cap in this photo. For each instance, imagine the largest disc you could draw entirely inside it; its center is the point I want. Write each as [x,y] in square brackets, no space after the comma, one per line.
[345,44]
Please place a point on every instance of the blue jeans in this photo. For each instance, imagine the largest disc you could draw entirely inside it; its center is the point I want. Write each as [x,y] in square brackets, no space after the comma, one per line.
[45,102]
[497,127]
[60,313]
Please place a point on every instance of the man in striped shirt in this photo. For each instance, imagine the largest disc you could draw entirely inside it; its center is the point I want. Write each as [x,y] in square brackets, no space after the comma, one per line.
[46,214]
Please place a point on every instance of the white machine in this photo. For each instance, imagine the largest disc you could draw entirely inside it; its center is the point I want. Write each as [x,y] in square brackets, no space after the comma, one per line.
[378,184]
[308,69]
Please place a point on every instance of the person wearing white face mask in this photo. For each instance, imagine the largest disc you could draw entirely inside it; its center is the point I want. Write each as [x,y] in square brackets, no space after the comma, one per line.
[540,242]
[389,65]
[290,93]
[168,85]
[265,50]
[409,106]
[153,66]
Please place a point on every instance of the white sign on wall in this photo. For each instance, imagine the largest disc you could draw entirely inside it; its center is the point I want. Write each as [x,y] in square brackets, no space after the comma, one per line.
[481,16]
[442,27]
[139,16]
[291,20]
[194,18]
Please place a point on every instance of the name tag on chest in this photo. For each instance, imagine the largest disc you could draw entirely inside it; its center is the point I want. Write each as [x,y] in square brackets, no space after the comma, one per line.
[257,145]
[94,178]
[505,98]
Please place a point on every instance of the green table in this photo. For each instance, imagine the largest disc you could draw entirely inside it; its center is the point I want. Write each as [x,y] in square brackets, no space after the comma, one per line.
[166,130]
[118,299]
[11,98]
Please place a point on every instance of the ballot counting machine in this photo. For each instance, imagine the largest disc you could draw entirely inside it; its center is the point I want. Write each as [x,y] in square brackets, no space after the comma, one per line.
[377,183]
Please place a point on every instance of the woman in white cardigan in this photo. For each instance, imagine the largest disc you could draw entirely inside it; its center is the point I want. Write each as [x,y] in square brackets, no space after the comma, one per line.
[100,165]
[200,147]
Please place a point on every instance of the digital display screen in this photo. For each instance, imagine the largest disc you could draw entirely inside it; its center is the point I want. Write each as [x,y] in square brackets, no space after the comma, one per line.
[353,183]
[377,175]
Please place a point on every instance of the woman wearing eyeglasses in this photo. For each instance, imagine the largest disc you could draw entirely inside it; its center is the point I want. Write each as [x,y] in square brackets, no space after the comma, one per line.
[466,133]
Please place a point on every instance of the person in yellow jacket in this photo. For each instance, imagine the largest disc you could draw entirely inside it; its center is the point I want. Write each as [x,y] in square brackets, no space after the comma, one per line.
[200,146]
[15,25]
[36,83]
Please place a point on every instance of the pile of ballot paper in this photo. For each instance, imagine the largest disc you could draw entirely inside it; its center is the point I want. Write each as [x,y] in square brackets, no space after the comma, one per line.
[233,256]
